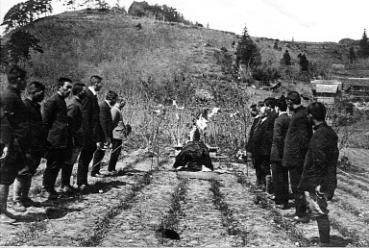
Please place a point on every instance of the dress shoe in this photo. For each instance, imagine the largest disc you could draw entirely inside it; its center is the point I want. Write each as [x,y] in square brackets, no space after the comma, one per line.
[19,207]
[28,202]
[68,190]
[299,219]
[52,195]
[282,206]
[5,219]
[97,175]
[83,188]
[111,173]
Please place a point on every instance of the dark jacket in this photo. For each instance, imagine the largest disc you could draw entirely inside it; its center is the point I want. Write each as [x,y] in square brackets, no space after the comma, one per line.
[321,161]
[106,120]
[16,116]
[250,142]
[297,139]
[92,132]
[279,134]
[37,132]
[56,122]
[75,119]
[263,136]
[6,132]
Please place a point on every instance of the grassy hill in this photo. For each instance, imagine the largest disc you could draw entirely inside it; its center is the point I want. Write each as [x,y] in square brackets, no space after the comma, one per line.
[124,49]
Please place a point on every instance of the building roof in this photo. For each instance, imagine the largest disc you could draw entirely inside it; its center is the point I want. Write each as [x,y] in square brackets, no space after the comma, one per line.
[338,83]
[324,88]
[361,82]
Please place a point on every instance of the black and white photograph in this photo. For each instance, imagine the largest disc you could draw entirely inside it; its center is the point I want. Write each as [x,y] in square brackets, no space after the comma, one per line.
[184,123]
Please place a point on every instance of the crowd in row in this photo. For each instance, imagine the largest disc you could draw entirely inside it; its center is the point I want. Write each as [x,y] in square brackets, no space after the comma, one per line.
[294,147]
[70,125]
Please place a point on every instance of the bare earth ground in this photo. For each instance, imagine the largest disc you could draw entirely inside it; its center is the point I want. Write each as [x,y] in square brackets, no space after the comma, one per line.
[206,209]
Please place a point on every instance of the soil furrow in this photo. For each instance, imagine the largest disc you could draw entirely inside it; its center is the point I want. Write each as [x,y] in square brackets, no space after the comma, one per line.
[136,226]
[72,221]
[256,225]
[201,224]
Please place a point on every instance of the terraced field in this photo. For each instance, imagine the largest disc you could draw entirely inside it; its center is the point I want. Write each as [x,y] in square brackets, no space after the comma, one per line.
[210,209]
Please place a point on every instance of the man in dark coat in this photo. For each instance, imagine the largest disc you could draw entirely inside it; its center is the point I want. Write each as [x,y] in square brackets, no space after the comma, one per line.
[37,137]
[14,137]
[295,148]
[280,173]
[319,172]
[262,138]
[255,113]
[92,134]
[58,135]
[106,123]
[75,119]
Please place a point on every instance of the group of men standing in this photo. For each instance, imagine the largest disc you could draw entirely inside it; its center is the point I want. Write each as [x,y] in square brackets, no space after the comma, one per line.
[295,148]
[63,130]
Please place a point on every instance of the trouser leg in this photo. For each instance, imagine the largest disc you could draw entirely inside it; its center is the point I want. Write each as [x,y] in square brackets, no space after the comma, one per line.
[116,149]
[300,203]
[97,158]
[4,191]
[71,155]
[55,161]
[324,229]
[258,173]
[83,163]
[280,183]
[22,184]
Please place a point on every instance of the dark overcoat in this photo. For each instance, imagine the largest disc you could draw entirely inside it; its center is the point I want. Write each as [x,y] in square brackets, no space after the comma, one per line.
[263,136]
[92,132]
[321,161]
[106,120]
[281,124]
[297,139]
[75,119]
[37,130]
[56,123]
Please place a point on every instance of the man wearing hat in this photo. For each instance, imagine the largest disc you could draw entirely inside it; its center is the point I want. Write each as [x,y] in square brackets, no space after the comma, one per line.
[295,147]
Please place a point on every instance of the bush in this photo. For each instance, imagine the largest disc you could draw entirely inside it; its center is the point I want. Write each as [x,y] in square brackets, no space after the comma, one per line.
[266,74]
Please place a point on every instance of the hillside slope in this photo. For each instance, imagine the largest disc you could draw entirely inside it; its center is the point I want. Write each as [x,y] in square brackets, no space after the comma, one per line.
[125,49]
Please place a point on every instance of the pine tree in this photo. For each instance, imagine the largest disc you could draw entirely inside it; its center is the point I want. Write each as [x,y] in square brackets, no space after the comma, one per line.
[352,55]
[24,13]
[247,52]
[304,63]
[364,46]
[286,58]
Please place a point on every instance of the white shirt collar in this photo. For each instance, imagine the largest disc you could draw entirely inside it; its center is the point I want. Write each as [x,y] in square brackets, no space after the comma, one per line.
[107,102]
[282,112]
[92,90]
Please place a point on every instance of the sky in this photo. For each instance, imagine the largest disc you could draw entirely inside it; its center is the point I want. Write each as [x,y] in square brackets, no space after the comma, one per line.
[301,20]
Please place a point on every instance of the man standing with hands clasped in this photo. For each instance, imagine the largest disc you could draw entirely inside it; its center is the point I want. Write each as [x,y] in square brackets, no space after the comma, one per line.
[319,172]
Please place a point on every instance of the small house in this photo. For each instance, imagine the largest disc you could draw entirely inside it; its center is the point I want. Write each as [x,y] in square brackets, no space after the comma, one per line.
[326,91]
